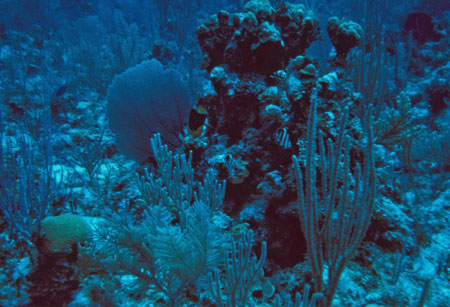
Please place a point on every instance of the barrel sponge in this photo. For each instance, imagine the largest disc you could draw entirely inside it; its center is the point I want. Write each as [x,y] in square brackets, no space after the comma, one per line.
[60,233]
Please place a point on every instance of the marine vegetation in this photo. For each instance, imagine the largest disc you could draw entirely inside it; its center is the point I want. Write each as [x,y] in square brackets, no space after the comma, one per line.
[224,153]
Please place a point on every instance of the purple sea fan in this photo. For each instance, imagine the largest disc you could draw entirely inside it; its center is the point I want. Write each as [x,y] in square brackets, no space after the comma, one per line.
[144,100]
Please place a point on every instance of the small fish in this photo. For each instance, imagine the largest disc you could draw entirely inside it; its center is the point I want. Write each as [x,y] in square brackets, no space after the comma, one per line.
[61,90]
[229,164]
[16,109]
[282,138]
[196,121]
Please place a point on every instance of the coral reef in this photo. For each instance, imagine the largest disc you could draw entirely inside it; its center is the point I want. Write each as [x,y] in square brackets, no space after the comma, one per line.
[262,39]
[312,169]
[60,233]
[344,36]
[258,103]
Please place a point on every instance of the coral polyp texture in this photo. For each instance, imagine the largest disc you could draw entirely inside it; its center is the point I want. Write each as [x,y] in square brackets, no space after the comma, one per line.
[261,39]
[344,35]
[61,233]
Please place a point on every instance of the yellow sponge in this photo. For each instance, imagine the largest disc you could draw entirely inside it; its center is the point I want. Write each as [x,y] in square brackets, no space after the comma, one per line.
[59,233]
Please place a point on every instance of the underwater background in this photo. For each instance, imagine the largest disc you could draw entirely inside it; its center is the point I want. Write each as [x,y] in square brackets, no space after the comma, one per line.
[224,153]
